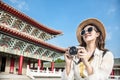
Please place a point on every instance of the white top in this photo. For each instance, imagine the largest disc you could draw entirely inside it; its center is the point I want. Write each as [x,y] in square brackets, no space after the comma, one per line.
[102,67]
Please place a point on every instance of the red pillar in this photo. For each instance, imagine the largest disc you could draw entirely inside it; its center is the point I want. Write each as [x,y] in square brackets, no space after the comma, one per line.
[33,65]
[52,66]
[112,73]
[39,63]
[20,65]
[12,65]
[29,63]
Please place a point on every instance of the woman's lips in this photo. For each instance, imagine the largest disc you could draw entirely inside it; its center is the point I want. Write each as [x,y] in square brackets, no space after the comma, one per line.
[87,36]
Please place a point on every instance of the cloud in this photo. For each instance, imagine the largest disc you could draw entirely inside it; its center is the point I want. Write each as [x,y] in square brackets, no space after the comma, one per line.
[109,36]
[20,5]
[54,42]
[13,1]
[116,28]
[112,10]
[23,5]
[110,31]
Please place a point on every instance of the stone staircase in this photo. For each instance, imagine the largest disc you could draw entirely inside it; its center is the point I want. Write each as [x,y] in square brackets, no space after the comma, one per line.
[7,76]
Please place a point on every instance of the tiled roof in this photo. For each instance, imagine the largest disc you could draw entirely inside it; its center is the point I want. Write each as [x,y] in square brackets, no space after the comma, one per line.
[26,18]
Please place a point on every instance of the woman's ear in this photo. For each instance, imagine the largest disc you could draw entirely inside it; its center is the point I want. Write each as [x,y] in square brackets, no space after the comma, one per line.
[98,34]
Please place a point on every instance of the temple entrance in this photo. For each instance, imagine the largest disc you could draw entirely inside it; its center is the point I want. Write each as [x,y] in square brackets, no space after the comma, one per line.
[3,63]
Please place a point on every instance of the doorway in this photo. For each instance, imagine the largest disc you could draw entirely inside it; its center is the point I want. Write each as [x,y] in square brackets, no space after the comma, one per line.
[3,64]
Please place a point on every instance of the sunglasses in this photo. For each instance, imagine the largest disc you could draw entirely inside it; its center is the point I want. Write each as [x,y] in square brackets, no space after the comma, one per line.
[89,30]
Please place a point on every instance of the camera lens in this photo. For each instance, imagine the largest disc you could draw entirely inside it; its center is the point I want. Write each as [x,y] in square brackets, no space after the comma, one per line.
[73,50]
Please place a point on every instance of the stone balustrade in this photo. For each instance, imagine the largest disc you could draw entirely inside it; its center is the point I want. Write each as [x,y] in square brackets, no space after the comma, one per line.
[43,73]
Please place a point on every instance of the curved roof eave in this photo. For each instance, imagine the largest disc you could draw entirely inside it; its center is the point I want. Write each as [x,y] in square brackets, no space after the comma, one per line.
[30,38]
[26,18]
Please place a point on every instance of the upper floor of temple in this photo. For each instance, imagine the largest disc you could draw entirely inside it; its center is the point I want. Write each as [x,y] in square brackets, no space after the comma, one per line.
[19,31]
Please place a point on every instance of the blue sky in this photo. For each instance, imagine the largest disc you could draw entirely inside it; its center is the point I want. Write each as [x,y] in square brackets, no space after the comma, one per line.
[66,15]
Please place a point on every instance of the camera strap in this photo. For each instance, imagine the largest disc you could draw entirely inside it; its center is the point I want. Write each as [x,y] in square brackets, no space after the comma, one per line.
[91,57]
[104,53]
[82,67]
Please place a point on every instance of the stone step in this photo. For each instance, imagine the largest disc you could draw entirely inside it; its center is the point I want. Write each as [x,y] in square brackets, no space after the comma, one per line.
[5,76]
[47,78]
[15,79]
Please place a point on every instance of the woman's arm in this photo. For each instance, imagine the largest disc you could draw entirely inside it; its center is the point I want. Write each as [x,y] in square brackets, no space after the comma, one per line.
[68,75]
[89,68]
[104,69]
[68,72]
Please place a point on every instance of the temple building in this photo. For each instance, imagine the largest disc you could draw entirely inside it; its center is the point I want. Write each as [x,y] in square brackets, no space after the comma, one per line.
[23,46]
[23,42]
[116,69]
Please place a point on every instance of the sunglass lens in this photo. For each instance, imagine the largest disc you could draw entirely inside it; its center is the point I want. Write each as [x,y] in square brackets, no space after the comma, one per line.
[83,32]
[90,29]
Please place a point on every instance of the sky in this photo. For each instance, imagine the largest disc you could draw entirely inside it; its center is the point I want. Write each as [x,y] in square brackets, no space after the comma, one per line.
[66,15]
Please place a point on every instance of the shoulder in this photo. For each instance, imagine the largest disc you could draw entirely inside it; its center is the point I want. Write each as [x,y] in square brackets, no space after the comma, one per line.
[107,54]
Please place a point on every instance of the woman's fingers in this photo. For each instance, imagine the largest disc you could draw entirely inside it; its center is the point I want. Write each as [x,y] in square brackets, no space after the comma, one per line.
[81,50]
[82,53]
[79,47]
[67,55]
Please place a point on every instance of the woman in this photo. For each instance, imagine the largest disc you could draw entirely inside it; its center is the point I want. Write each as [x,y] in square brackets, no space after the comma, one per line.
[92,61]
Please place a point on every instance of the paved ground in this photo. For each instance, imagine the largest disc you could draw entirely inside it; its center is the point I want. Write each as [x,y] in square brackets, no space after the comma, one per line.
[21,77]
[13,77]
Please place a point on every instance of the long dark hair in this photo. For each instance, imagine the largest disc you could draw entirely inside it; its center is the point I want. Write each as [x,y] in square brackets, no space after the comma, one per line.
[100,41]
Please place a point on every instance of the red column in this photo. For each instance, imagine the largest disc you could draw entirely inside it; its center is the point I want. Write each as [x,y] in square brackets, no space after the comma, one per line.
[39,63]
[20,65]
[33,65]
[112,73]
[12,65]
[52,66]
[29,63]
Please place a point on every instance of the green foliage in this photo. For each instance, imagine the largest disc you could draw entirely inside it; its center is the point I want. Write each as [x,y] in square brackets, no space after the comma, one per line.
[59,60]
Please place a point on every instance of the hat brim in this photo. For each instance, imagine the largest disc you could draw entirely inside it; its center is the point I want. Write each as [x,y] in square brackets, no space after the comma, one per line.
[94,21]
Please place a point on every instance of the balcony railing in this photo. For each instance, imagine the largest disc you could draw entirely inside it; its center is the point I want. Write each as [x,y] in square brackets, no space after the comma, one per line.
[53,74]
[43,73]
[113,77]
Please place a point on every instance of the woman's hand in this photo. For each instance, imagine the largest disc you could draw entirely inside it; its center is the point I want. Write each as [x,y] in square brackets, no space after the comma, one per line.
[68,60]
[68,57]
[82,54]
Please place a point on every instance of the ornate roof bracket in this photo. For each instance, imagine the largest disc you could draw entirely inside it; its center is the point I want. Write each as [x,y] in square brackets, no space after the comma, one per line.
[20,34]
[32,30]
[24,25]
[35,50]
[44,50]
[51,52]
[1,36]
[31,48]
[25,47]
[16,23]
[1,13]
[9,9]
[13,43]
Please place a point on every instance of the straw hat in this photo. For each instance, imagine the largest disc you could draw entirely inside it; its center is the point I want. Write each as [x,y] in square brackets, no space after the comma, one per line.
[94,21]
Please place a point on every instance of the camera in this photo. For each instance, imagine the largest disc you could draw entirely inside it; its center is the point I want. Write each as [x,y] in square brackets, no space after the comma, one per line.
[73,50]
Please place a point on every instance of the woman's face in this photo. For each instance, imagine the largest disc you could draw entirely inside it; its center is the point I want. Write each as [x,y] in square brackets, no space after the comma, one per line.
[89,33]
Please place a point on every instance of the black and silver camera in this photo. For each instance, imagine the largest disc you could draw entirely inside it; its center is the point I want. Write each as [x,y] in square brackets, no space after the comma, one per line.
[73,50]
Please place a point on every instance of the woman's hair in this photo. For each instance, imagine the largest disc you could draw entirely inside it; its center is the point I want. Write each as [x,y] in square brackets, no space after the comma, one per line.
[100,42]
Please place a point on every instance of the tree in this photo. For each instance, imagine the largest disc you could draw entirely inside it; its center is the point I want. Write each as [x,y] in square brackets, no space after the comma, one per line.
[59,60]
